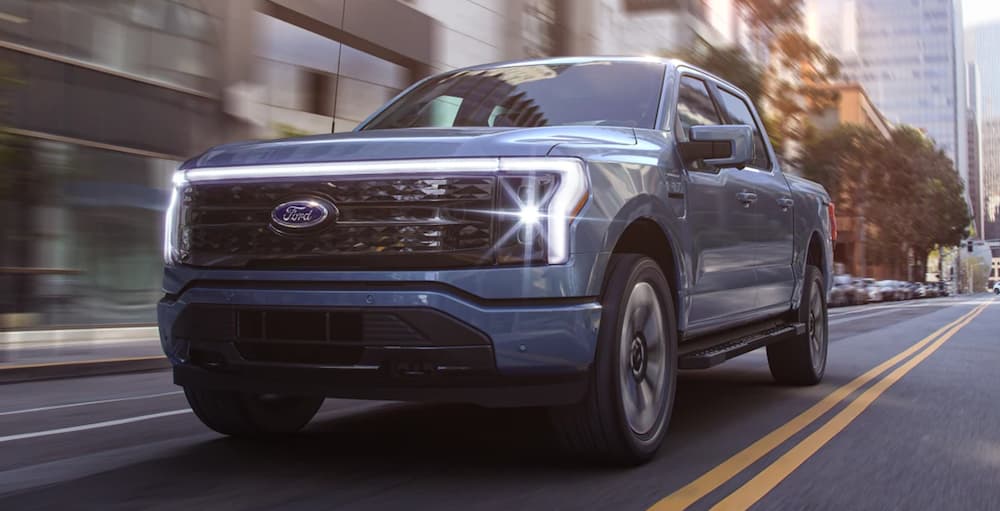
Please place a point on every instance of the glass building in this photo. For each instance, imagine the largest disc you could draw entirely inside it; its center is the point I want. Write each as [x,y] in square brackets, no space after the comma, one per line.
[101,102]
[908,56]
[982,44]
[103,99]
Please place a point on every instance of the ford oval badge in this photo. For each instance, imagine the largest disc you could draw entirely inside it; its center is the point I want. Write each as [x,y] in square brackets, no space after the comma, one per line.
[302,214]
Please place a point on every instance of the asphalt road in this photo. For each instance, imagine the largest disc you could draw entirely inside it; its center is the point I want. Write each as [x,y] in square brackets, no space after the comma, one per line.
[902,421]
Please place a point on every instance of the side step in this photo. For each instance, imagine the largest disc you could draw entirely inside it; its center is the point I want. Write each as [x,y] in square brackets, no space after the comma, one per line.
[715,355]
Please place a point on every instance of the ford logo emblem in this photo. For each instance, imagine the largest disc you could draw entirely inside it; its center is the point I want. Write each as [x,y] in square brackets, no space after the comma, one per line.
[303,214]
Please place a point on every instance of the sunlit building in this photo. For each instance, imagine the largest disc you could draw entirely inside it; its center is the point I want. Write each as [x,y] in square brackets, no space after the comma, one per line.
[853,107]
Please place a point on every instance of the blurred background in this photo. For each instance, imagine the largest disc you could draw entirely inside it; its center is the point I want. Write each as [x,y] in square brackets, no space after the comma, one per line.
[894,105]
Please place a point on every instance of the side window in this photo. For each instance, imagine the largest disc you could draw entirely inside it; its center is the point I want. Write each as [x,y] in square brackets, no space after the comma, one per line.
[739,113]
[694,107]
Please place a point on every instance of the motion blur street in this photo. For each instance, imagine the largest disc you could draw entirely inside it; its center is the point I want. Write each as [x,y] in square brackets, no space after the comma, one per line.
[929,441]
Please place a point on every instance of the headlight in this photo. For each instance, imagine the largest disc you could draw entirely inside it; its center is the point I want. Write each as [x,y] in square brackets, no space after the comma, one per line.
[538,200]
[170,227]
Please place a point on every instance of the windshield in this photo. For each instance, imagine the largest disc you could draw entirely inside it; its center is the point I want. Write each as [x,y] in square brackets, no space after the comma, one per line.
[625,94]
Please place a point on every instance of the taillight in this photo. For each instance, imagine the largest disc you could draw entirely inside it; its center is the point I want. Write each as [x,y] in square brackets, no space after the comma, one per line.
[831,212]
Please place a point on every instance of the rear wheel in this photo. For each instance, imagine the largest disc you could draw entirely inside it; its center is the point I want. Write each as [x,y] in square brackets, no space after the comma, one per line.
[624,415]
[239,414]
[801,360]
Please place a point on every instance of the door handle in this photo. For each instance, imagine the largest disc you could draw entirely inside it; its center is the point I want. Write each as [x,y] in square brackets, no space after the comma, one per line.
[747,198]
[785,203]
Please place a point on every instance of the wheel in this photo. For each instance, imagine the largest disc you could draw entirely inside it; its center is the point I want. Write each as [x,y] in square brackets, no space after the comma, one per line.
[238,414]
[624,415]
[801,360]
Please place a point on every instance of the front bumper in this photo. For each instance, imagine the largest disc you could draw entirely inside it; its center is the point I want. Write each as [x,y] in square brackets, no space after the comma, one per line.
[443,344]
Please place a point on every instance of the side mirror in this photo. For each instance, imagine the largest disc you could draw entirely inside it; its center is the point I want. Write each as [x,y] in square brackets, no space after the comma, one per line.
[720,146]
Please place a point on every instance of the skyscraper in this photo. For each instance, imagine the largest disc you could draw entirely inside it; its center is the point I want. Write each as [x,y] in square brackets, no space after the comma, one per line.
[908,55]
[973,115]
[983,50]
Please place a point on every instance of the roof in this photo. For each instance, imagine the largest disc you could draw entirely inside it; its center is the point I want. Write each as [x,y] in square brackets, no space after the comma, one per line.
[583,59]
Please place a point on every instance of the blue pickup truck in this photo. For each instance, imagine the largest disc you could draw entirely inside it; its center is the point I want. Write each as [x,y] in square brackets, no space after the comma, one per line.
[567,233]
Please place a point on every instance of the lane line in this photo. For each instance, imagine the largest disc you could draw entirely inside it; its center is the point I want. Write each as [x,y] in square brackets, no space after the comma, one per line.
[88,403]
[837,321]
[5,367]
[765,481]
[709,481]
[95,425]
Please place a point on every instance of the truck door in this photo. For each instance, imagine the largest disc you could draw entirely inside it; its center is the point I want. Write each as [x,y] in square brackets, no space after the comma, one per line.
[720,221]
[774,212]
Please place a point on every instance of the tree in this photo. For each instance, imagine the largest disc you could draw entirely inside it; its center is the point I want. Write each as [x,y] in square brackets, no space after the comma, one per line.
[797,68]
[937,209]
[907,190]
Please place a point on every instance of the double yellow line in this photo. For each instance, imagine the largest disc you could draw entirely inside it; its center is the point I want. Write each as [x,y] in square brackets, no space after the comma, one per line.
[773,474]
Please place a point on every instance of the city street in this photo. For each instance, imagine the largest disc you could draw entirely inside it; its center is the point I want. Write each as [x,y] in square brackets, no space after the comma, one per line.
[905,419]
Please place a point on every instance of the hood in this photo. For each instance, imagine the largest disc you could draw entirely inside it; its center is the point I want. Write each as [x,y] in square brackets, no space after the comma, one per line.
[411,143]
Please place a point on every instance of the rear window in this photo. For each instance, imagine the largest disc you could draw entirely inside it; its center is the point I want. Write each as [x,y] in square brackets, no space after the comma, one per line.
[603,93]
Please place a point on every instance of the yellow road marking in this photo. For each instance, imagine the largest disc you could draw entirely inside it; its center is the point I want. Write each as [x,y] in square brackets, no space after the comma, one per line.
[81,362]
[766,480]
[725,471]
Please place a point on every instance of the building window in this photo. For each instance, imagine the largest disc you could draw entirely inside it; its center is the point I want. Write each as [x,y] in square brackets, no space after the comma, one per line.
[538,27]
[93,253]
[173,41]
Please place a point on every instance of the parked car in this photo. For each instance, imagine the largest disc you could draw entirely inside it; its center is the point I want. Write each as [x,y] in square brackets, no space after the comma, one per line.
[563,233]
[847,291]
[840,292]
[996,288]
[873,290]
[861,290]
[908,289]
[920,290]
[890,289]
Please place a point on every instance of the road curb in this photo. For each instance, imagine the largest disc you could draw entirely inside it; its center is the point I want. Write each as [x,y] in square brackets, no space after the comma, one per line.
[33,372]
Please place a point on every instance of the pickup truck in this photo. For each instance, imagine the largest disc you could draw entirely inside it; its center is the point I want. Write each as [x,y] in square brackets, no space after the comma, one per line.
[565,233]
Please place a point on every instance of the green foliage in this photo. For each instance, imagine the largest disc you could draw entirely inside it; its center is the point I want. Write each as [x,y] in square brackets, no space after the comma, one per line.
[906,189]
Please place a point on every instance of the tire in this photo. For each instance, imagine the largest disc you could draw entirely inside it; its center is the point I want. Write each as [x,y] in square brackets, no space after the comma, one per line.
[636,362]
[801,360]
[238,414]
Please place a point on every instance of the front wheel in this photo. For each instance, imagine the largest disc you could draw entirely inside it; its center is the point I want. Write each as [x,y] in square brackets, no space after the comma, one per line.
[801,360]
[624,415]
[239,414]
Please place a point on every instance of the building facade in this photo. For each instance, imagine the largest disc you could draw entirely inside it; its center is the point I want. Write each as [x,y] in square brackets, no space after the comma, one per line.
[973,114]
[854,107]
[105,97]
[908,55]
[983,52]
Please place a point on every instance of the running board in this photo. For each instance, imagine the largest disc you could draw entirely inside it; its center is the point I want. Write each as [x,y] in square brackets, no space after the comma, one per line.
[715,355]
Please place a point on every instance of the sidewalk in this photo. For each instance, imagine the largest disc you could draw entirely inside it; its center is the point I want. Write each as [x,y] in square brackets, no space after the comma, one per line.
[43,354]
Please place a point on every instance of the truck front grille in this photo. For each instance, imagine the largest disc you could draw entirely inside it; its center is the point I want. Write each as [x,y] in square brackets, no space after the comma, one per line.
[410,222]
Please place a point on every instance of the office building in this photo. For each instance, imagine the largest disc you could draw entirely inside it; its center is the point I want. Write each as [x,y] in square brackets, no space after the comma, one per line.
[908,55]
[983,52]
